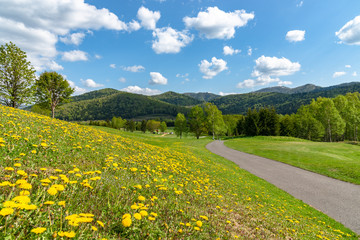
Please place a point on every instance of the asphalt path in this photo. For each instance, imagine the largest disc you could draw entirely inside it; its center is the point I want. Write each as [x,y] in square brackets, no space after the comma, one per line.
[337,199]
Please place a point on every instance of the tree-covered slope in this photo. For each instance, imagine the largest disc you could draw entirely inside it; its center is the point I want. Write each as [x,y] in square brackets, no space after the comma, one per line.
[284,103]
[282,89]
[202,96]
[125,105]
[94,94]
[177,99]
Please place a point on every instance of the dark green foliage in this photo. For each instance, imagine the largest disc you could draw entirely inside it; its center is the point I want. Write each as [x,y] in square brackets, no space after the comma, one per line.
[202,96]
[127,105]
[287,125]
[231,123]
[307,126]
[17,76]
[152,125]
[251,123]
[94,94]
[283,103]
[177,99]
[143,126]
[282,89]
[268,122]
[52,90]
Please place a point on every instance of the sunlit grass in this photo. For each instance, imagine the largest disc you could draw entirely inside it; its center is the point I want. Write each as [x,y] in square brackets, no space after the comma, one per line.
[336,160]
[60,180]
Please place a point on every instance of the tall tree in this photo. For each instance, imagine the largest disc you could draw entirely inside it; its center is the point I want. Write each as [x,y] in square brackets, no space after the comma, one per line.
[143,126]
[197,121]
[251,123]
[163,126]
[268,122]
[52,89]
[180,125]
[17,76]
[287,127]
[306,125]
[214,119]
[152,125]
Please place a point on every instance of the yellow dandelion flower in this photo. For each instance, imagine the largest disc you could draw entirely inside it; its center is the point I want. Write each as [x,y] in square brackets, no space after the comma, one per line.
[21,172]
[38,230]
[17,165]
[143,213]
[141,198]
[137,216]
[197,229]
[9,169]
[199,223]
[151,218]
[21,199]
[153,214]
[100,223]
[126,222]
[33,151]
[49,202]
[204,217]
[6,211]
[24,193]
[180,231]
[61,203]
[25,186]
[94,228]
[52,191]
[134,207]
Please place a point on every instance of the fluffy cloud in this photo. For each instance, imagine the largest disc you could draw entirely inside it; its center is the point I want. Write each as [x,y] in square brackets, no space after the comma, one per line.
[267,68]
[113,65]
[135,68]
[295,36]
[348,66]
[215,23]
[249,52]
[75,38]
[78,90]
[354,74]
[213,68]
[157,78]
[148,18]
[228,50]
[350,32]
[75,55]
[338,74]
[225,94]
[122,79]
[139,90]
[133,26]
[168,40]
[35,25]
[91,83]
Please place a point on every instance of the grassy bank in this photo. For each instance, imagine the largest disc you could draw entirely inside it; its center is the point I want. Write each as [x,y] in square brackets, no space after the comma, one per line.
[60,180]
[336,160]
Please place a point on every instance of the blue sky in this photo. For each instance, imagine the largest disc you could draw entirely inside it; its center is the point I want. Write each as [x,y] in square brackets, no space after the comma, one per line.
[154,46]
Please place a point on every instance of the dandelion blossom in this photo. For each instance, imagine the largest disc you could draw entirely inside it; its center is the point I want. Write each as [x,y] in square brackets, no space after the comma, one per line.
[126,222]
[38,230]
[6,211]
[137,216]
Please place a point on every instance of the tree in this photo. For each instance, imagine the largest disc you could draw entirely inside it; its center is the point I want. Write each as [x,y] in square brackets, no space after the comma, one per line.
[17,76]
[306,125]
[117,122]
[197,121]
[52,89]
[151,125]
[180,125]
[287,125]
[214,119]
[268,122]
[251,123]
[231,122]
[143,126]
[163,126]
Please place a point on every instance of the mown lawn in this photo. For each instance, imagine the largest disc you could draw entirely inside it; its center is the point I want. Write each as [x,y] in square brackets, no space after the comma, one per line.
[336,160]
[60,180]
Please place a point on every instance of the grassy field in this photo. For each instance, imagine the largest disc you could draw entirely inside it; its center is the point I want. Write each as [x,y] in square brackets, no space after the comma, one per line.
[60,180]
[336,160]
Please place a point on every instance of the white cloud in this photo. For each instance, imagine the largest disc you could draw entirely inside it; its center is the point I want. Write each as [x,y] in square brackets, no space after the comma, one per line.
[267,68]
[113,65]
[354,74]
[348,66]
[350,32]
[135,68]
[52,65]
[168,40]
[228,50]
[300,4]
[75,38]
[91,83]
[78,90]
[75,55]
[213,68]
[295,36]
[215,23]
[225,94]
[148,18]
[98,56]
[36,25]
[133,26]
[249,51]
[338,74]
[139,90]
[157,78]
[122,79]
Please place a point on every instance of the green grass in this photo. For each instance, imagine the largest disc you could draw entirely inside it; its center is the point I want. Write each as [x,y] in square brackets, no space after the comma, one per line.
[336,160]
[90,182]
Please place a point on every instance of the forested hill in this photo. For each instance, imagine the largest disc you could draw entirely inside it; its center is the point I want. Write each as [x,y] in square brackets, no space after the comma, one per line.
[121,104]
[177,99]
[202,96]
[94,94]
[282,89]
[284,103]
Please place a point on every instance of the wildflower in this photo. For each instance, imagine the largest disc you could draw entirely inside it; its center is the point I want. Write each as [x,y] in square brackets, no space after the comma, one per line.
[126,215]
[38,230]
[126,222]
[143,213]
[17,165]
[61,203]
[21,199]
[204,217]
[6,211]
[151,218]
[9,169]
[137,216]
[49,202]
[52,191]
[197,229]
[100,223]
[180,231]
[153,214]
[199,223]
[94,228]
[21,172]
[141,198]
[24,193]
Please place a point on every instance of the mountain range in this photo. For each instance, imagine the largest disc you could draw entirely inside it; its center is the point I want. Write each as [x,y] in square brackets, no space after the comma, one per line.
[106,103]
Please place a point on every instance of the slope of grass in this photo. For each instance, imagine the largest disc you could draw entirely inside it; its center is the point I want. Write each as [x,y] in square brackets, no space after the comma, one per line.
[336,160]
[60,180]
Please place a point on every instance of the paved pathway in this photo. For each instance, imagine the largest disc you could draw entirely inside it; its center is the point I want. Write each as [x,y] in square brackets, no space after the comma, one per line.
[339,200]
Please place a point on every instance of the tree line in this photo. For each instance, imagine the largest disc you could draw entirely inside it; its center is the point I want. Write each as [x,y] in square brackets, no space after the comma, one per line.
[19,85]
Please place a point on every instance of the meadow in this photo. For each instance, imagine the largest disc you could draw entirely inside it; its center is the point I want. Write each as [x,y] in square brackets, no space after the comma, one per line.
[337,160]
[60,180]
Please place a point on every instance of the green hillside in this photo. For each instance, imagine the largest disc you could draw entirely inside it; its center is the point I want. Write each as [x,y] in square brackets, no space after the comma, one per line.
[202,96]
[94,94]
[177,99]
[125,105]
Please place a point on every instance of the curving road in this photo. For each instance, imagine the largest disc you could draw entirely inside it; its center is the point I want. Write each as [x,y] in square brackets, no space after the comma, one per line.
[339,200]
